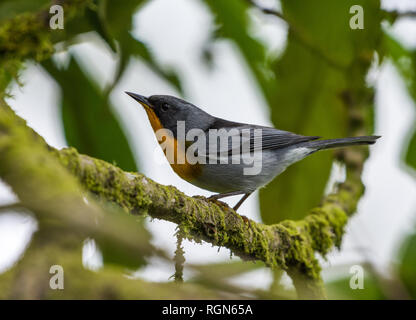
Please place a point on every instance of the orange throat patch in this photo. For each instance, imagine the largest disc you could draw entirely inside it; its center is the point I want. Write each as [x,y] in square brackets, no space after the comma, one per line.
[172,149]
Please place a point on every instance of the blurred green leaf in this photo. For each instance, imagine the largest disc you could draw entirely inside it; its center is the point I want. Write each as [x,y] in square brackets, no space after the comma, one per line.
[116,24]
[310,107]
[73,27]
[321,73]
[123,239]
[89,123]
[407,265]
[121,255]
[405,62]
[113,22]
[11,8]
[233,23]
[340,289]
[219,276]
[82,24]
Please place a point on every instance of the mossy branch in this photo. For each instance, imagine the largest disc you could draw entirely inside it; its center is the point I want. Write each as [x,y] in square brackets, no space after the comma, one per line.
[29,36]
[289,245]
[30,278]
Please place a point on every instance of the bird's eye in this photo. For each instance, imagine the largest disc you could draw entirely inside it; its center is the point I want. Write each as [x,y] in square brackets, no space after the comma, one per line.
[165,107]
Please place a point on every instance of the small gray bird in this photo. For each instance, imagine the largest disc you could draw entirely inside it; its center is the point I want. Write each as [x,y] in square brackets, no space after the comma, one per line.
[250,158]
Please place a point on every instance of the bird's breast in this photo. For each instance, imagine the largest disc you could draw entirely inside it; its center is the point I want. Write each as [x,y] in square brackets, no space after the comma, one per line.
[174,152]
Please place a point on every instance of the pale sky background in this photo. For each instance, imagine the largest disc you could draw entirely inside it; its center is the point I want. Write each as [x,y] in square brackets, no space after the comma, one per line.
[385,214]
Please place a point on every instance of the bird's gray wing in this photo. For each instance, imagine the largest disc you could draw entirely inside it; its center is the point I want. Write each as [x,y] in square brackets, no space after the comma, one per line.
[237,138]
[272,138]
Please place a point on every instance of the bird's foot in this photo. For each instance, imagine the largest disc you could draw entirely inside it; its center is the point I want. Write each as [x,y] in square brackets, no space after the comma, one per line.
[246,220]
[213,197]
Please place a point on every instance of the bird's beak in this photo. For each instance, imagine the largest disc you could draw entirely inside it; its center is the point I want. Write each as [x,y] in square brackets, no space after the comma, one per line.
[141,99]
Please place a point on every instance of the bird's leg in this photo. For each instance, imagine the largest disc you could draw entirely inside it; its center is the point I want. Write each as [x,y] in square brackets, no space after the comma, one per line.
[223,195]
[239,203]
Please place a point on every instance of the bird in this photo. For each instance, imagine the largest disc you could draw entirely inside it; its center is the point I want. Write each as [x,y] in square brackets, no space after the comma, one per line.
[250,158]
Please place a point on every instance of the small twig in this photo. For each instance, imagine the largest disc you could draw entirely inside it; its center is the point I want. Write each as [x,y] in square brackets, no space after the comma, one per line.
[12,207]
[267,10]
[393,287]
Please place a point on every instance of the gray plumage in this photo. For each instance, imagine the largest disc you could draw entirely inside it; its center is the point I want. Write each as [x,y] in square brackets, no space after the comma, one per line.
[342,142]
[275,149]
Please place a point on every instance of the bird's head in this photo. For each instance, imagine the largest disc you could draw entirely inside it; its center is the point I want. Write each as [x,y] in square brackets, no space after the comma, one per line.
[165,111]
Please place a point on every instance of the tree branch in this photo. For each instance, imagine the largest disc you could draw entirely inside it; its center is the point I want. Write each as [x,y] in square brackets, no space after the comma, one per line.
[289,245]
[300,35]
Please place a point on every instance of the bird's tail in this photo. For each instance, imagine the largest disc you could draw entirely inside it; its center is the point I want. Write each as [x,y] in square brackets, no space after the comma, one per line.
[343,142]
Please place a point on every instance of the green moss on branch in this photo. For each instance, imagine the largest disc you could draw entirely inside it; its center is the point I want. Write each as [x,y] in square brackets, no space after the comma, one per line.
[29,36]
[289,245]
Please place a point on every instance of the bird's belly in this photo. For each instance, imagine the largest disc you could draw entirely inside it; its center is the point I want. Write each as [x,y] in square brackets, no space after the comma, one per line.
[231,177]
